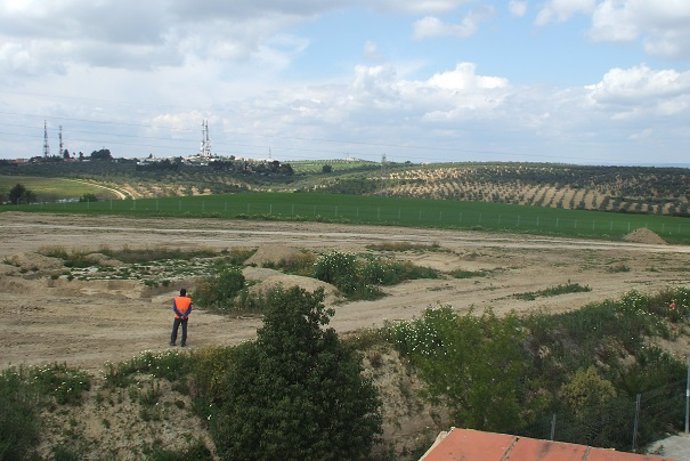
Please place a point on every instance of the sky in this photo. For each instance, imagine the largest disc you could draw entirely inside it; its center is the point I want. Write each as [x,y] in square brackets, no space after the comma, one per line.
[568,81]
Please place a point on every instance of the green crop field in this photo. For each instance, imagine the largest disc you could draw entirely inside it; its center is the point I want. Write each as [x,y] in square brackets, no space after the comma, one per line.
[51,189]
[388,211]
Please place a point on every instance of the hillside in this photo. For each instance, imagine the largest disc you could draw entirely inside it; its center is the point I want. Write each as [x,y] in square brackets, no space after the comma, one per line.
[607,188]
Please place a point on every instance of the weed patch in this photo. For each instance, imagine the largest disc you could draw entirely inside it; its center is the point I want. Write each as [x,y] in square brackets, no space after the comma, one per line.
[553,291]
[404,246]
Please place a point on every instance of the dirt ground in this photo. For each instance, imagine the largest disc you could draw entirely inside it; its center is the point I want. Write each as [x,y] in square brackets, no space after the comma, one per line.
[90,323]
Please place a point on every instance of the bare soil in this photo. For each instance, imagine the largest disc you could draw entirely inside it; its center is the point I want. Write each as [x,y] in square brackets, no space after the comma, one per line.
[88,323]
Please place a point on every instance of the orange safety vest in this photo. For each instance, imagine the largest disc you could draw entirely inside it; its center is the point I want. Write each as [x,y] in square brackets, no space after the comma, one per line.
[182,306]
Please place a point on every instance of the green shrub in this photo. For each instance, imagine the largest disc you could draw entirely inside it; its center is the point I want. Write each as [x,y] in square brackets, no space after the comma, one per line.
[65,384]
[220,290]
[19,424]
[336,268]
[476,364]
[358,278]
[171,365]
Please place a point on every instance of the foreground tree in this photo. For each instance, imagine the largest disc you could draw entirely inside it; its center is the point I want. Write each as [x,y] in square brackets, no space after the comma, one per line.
[297,392]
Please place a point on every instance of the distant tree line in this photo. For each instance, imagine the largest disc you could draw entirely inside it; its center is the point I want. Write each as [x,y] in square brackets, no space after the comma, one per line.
[246,167]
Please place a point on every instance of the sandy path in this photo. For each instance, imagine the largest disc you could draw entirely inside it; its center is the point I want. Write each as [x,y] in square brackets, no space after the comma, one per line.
[89,323]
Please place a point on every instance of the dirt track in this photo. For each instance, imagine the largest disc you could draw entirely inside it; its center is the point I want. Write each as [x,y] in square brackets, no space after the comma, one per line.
[89,323]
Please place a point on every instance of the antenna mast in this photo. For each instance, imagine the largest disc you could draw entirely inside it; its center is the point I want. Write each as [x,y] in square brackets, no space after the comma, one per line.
[205,140]
[46,148]
[62,147]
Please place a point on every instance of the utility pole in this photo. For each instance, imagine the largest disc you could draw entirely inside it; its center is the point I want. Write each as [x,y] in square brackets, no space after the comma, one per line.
[687,399]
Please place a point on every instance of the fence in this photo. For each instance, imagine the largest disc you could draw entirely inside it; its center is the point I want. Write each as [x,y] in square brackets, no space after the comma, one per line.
[625,422]
[394,211]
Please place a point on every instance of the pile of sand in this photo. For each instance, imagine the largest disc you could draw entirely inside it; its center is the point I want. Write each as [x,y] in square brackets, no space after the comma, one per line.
[644,235]
[34,262]
[272,255]
[267,279]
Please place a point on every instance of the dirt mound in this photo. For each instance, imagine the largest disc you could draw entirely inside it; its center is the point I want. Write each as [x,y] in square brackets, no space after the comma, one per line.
[272,254]
[269,278]
[34,262]
[644,235]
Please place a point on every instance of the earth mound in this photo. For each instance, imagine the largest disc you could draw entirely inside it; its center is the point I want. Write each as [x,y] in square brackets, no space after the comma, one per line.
[270,255]
[644,235]
[267,279]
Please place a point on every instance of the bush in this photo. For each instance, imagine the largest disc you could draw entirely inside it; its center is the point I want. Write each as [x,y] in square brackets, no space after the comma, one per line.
[358,278]
[19,425]
[477,365]
[336,268]
[219,291]
[297,393]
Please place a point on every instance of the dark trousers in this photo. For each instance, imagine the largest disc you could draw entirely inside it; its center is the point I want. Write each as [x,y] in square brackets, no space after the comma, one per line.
[176,326]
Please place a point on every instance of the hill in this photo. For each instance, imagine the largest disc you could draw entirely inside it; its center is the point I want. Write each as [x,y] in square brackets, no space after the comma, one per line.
[664,191]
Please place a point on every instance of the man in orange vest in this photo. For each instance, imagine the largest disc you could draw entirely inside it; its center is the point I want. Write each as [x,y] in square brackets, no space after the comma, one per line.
[182,307]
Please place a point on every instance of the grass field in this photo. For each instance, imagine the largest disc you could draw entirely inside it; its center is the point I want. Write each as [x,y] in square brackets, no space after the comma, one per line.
[51,189]
[389,211]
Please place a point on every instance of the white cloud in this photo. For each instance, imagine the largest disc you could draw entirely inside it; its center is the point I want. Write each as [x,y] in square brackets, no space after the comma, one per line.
[562,10]
[431,26]
[639,90]
[464,77]
[663,26]
[517,8]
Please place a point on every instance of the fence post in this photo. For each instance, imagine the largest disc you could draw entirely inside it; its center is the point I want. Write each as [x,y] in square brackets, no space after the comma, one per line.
[637,421]
[687,398]
[553,426]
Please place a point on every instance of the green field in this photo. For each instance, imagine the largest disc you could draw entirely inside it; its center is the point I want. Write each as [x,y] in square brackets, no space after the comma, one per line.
[52,189]
[388,211]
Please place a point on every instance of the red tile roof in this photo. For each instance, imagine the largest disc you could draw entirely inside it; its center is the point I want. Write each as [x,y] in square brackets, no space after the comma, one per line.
[471,445]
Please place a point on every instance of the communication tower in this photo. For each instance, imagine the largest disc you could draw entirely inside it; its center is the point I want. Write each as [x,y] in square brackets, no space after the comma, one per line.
[62,147]
[46,148]
[205,140]
[383,172]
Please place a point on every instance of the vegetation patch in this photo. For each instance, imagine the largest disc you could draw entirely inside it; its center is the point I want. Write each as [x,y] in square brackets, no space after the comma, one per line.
[360,277]
[404,246]
[463,274]
[552,291]
[514,374]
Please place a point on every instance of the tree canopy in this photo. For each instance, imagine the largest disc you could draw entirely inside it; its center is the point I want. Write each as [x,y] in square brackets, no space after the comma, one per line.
[20,194]
[297,392]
